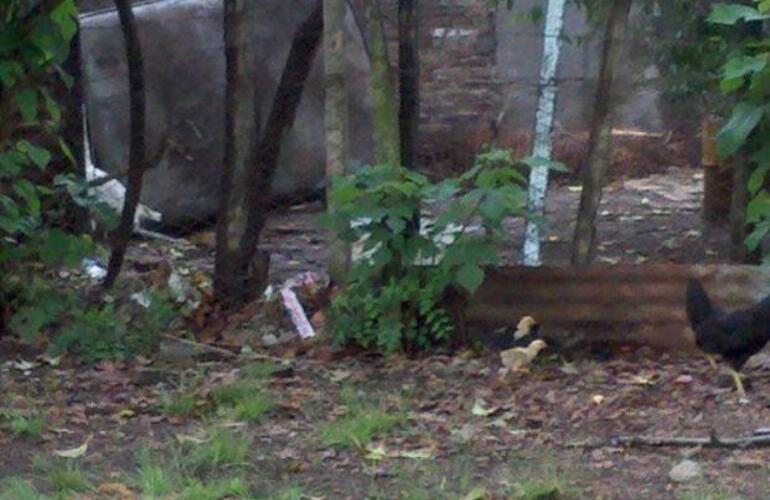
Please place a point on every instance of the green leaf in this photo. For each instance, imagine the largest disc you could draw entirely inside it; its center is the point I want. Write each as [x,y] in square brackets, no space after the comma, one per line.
[38,155]
[743,121]
[758,208]
[540,162]
[729,86]
[759,233]
[470,277]
[739,67]
[12,163]
[28,192]
[730,14]
[10,72]
[64,16]
[52,107]
[757,179]
[27,102]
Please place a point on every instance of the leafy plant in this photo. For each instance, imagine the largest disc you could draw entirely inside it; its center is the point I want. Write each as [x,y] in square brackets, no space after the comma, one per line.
[37,181]
[746,75]
[98,333]
[398,289]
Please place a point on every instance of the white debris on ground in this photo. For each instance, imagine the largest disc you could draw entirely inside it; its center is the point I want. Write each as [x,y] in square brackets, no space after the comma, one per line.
[442,240]
[111,192]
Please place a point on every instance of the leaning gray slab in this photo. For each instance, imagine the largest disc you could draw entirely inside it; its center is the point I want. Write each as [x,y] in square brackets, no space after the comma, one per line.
[183,47]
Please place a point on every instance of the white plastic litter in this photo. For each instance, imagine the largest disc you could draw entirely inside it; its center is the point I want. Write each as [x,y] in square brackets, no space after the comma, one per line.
[297,313]
[111,192]
[94,269]
[142,299]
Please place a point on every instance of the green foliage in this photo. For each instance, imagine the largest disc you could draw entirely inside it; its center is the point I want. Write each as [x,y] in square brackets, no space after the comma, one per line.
[27,427]
[246,399]
[358,428]
[259,370]
[67,479]
[35,186]
[222,448]
[180,405]
[94,332]
[746,76]
[396,294]
[14,488]
[689,51]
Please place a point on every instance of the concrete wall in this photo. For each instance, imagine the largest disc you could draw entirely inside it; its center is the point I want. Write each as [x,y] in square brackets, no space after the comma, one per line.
[480,69]
[183,48]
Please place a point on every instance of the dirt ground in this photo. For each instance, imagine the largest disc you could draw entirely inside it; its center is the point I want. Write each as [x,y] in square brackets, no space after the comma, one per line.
[297,421]
[457,430]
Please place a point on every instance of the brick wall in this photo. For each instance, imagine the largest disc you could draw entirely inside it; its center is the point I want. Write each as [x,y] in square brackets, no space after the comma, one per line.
[460,93]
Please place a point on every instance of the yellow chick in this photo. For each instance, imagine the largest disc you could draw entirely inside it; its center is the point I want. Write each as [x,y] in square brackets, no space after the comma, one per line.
[527,325]
[519,358]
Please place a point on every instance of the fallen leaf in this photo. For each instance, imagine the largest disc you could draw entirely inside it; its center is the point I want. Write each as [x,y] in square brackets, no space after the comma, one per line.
[683,379]
[376,453]
[597,399]
[480,411]
[73,452]
[25,366]
[338,376]
[182,438]
[116,490]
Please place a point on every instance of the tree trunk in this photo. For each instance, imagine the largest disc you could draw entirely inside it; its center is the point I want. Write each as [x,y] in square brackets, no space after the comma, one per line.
[543,144]
[72,130]
[387,138]
[336,120]
[717,175]
[409,80]
[600,138]
[232,275]
[252,265]
[136,155]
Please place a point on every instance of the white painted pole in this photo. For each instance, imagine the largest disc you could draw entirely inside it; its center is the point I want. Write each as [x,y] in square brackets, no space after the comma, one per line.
[543,144]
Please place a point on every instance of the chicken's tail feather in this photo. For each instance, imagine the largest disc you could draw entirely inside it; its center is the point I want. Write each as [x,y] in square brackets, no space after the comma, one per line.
[699,306]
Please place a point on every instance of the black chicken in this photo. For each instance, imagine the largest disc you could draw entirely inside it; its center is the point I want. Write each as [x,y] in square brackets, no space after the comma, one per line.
[735,336]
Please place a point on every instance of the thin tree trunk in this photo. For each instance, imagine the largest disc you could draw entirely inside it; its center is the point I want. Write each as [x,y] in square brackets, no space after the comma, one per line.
[717,174]
[385,120]
[137,155]
[254,265]
[600,138]
[232,276]
[543,144]
[337,117]
[409,80]
[72,129]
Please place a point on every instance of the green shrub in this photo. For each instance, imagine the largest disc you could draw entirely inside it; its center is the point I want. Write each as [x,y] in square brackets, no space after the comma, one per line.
[396,295]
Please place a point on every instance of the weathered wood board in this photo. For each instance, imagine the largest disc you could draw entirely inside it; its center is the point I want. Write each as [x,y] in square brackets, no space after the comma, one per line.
[639,305]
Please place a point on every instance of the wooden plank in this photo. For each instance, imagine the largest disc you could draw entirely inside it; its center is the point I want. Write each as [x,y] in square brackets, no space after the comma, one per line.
[642,304]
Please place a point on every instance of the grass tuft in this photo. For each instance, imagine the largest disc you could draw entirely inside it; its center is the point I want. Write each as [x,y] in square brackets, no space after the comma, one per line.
[359,428]
[16,488]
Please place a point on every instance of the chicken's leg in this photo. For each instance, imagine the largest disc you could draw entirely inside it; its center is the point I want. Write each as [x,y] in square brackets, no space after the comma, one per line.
[738,383]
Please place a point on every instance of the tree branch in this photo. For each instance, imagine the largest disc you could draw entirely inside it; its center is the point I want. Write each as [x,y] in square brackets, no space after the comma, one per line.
[713,441]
